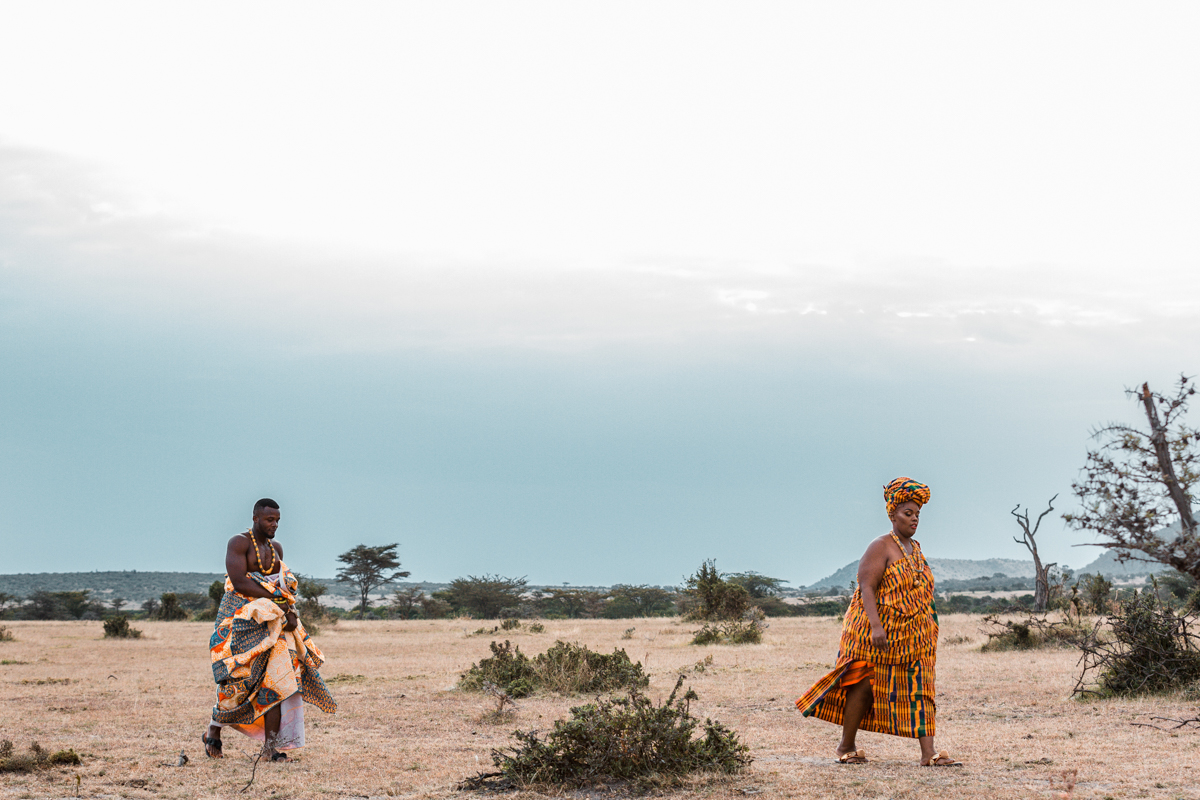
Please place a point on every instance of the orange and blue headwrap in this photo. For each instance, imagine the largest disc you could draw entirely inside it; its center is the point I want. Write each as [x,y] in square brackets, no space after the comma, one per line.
[902,490]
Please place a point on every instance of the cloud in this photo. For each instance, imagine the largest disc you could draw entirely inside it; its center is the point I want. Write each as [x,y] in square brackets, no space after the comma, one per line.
[75,238]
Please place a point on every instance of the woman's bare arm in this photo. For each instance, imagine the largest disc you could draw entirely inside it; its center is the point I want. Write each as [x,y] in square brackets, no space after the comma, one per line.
[870,573]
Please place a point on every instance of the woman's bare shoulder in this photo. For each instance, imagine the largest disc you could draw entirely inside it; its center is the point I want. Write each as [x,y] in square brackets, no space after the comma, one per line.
[882,549]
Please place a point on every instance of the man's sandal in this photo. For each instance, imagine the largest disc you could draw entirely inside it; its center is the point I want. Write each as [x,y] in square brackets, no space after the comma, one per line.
[212,742]
[942,755]
[853,757]
[279,756]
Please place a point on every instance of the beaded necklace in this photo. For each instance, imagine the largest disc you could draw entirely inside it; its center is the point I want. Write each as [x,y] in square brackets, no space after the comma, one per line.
[258,555]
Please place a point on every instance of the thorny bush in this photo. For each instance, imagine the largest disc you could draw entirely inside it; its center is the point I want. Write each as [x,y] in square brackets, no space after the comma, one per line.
[1149,650]
[565,668]
[626,740]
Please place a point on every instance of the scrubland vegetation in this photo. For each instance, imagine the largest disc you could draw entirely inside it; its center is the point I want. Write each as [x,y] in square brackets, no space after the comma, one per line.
[404,726]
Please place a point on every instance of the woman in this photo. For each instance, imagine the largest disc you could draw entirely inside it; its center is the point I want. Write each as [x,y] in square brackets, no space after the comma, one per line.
[883,679]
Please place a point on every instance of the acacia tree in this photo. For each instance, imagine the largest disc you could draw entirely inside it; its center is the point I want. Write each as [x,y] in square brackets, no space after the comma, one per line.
[1139,482]
[1041,591]
[368,568]
[483,597]
[407,601]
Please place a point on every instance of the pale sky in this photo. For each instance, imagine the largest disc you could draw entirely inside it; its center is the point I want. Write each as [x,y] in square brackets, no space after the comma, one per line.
[584,292]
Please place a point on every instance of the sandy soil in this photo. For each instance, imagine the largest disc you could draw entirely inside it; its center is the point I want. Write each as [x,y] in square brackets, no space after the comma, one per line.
[130,707]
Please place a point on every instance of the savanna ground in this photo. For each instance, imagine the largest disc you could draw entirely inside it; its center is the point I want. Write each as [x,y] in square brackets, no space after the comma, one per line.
[129,707]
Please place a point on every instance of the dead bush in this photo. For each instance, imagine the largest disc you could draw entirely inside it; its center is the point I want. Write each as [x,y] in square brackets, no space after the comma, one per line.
[747,630]
[35,759]
[574,669]
[624,740]
[1030,631]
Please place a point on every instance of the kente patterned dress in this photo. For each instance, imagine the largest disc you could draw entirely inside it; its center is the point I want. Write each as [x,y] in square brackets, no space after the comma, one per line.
[902,675]
[258,665]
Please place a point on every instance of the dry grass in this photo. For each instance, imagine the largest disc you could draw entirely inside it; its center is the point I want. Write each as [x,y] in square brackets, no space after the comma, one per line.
[403,731]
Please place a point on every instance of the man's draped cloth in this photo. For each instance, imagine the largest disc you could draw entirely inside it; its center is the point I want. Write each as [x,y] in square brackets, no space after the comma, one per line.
[258,665]
[901,675]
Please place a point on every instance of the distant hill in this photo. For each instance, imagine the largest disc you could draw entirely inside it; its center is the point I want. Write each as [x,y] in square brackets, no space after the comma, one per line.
[1108,566]
[943,569]
[964,569]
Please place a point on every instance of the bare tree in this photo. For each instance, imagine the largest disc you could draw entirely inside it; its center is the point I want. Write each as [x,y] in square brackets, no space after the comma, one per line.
[1041,592]
[1139,482]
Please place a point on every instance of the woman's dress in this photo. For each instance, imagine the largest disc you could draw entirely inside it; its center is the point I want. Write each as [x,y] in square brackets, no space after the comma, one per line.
[902,674]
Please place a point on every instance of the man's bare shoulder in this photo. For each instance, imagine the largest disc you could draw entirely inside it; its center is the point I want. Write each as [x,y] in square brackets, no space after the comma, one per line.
[278,548]
[238,543]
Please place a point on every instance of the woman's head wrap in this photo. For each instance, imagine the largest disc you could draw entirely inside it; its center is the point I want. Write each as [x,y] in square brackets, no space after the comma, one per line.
[902,490]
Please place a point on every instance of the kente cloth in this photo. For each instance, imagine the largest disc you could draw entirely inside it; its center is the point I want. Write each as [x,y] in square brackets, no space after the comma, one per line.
[856,672]
[258,665]
[903,490]
[902,674]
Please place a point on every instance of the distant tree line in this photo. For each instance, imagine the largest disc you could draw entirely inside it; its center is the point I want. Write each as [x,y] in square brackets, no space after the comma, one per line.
[492,596]
[80,605]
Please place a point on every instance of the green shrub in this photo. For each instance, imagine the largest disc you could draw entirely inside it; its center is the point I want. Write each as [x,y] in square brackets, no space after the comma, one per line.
[510,624]
[565,668]
[712,598]
[821,608]
[537,627]
[1096,591]
[508,668]
[118,628]
[621,740]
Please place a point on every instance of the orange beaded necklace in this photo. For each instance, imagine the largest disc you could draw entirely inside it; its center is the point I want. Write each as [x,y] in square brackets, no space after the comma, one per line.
[258,555]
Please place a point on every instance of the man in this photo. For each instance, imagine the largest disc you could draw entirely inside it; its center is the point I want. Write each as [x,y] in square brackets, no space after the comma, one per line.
[264,662]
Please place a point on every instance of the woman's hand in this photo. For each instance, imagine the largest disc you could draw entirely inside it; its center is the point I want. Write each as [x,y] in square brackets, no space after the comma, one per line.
[290,621]
[879,637]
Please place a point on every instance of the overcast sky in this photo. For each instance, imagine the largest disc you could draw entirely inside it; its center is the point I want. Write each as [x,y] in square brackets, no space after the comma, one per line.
[586,292]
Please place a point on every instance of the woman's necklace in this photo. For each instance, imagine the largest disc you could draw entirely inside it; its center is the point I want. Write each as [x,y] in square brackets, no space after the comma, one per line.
[258,555]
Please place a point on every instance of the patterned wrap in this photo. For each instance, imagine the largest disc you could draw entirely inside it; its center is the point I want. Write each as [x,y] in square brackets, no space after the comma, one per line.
[902,680]
[255,662]
[903,490]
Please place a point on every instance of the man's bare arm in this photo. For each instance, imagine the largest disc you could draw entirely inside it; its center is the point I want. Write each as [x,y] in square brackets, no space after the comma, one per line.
[236,554]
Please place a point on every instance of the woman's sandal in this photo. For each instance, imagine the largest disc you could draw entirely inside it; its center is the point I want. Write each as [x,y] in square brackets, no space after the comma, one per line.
[853,757]
[212,742]
[942,755]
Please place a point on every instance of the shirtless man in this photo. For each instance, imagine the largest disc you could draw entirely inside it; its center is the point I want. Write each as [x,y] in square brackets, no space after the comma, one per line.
[245,554]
